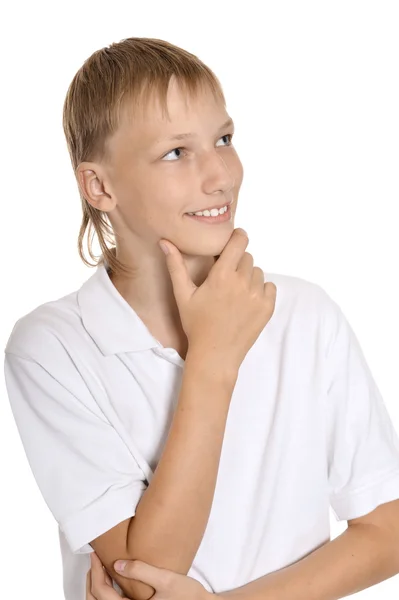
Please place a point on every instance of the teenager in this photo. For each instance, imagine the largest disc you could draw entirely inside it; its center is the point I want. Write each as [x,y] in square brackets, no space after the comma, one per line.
[189,409]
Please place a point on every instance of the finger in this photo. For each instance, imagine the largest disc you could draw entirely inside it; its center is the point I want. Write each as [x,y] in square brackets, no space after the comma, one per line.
[156,577]
[232,252]
[270,290]
[97,567]
[183,285]
[98,573]
[98,584]
[108,579]
[245,267]
[258,278]
[95,561]
[89,595]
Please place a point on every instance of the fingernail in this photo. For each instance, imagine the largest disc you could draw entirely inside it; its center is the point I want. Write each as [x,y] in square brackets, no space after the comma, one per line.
[120,565]
[164,248]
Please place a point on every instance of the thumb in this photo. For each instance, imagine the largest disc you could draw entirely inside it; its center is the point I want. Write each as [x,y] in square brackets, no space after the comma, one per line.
[183,286]
[141,571]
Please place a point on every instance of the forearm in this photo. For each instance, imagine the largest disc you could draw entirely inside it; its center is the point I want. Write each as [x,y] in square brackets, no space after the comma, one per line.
[360,557]
[173,513]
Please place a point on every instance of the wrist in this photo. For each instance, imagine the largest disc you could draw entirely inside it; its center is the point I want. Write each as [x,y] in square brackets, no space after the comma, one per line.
[213,365]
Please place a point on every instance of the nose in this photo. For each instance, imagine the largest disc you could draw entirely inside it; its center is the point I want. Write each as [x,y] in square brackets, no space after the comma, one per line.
[217,175]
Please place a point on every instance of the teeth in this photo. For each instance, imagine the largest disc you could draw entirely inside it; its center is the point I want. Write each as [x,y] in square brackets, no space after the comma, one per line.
[214,212]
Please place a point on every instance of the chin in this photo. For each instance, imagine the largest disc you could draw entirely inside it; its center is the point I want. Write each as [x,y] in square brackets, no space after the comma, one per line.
[211,245]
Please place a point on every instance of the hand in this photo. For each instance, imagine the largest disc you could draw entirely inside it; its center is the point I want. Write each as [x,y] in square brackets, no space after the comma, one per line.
[226,314]
[98,582]
[168,585]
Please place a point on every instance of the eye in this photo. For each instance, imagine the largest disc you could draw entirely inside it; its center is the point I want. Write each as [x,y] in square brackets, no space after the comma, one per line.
[228,135]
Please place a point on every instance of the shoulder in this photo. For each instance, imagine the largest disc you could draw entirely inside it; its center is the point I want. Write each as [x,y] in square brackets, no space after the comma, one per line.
[301,294]
[309,309]
[49,351]
[46,329]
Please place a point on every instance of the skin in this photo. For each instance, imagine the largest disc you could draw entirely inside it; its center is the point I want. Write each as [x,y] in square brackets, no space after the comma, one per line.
[146,199]
[146,188]
[168,584]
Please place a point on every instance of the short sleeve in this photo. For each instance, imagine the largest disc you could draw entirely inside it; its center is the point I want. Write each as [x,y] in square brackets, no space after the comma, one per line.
[87,476]
[363,446]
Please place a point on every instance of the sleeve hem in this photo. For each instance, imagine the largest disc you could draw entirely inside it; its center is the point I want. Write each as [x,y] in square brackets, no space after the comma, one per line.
[94,520]
[360,502]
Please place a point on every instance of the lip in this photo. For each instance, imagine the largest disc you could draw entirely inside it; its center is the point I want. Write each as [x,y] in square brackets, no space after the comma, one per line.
[217,207]
[225,217]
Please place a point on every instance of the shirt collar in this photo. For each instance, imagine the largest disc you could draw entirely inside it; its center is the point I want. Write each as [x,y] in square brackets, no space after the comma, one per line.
[109,319]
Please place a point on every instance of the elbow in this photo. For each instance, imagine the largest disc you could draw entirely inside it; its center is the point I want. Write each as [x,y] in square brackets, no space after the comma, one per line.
[135,590]
[132,588]
[166,557]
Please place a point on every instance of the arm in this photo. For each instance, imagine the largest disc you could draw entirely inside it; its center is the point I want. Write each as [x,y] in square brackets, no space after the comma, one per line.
[362,556]
[173,512]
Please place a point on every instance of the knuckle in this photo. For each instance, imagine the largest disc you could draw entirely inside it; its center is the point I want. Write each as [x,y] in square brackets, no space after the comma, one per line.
[241,231]
[254,294]
[218,274]
[242,282]
[271,287]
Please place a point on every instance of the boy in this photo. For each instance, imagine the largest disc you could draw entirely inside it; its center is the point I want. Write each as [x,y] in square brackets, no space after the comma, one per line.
[207,439]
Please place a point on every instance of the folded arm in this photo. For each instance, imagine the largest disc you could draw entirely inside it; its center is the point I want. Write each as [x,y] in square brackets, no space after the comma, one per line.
[365,554]
[173,512]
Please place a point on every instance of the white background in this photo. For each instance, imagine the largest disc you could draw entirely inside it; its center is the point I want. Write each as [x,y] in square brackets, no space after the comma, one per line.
[313,90]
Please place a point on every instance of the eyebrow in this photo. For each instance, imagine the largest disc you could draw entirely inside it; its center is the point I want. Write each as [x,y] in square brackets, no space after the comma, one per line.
[183,136]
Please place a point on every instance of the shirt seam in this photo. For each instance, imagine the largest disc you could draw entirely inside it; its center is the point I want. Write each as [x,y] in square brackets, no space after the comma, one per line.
[367,486]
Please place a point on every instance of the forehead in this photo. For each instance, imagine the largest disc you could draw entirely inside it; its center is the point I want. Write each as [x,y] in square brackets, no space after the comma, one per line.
[185,112]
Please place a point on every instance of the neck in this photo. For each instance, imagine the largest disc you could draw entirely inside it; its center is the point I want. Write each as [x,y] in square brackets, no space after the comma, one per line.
[149,290]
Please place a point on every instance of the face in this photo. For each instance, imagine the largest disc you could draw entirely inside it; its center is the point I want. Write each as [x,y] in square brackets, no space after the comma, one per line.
[152,182]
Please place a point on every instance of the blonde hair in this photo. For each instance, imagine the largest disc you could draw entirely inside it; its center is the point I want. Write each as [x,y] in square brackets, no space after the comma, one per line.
[111,78]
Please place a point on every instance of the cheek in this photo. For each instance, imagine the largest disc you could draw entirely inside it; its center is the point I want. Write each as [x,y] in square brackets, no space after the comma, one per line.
[172,194]
[161,205]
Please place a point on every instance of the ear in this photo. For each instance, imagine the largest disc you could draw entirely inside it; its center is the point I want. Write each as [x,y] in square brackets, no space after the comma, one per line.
[91,182]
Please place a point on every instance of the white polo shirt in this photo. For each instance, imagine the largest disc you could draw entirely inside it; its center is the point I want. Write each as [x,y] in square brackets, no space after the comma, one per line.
[93,394]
